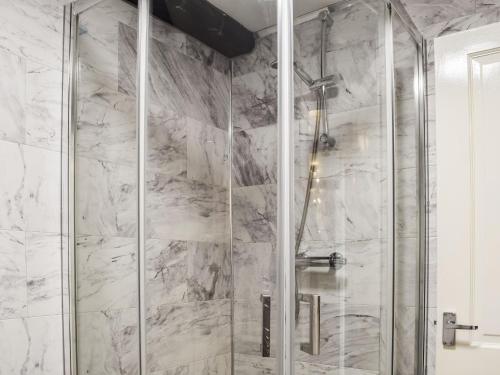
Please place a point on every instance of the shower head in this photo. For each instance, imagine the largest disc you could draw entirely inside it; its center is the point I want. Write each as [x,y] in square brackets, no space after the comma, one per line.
[306,78]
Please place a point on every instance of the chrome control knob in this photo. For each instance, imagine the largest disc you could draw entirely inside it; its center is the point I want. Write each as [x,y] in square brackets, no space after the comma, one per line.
[337,260]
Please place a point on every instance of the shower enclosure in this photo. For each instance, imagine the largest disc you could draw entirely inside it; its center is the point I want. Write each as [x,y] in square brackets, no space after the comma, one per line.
[245,188]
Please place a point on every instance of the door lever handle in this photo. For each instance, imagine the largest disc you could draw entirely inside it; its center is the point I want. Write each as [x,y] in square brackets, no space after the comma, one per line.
[450,327]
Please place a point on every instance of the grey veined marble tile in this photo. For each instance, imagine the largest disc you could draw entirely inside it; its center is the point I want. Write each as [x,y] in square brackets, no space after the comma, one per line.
[34,346]
[178,208]
[254,99]
[178,82]
[347,207]
[167,143]
[43,111]
[360,144]
[106,273]
[30,192]
[254,269]
[430,12]
[108,342]
[105,198]
[349,336]
[254,213]
[43,271]
[186,271]
[219,365]
[12,186]
[255,156]
[106,133]
[32,29]
[12,97]
[207,153]
[12,274]
[180,334]
[255,365]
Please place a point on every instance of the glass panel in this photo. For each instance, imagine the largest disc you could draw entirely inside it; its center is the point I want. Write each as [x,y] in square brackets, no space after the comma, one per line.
[341,185]
[254,196]
[188,286]
[406,195]
[106,192]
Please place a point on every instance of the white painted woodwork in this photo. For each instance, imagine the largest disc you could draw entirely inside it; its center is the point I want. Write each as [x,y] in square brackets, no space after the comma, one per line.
[468,197]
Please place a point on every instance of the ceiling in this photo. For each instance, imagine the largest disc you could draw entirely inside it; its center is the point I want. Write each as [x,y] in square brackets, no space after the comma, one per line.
[256,15]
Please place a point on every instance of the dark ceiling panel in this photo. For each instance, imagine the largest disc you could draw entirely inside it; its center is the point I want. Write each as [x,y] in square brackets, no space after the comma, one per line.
[205,22]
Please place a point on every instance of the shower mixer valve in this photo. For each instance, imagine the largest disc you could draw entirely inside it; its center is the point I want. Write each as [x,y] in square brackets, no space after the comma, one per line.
[334,261]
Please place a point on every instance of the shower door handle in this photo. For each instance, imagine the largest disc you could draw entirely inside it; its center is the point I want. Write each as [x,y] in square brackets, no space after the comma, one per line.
[266,325]
[314,300]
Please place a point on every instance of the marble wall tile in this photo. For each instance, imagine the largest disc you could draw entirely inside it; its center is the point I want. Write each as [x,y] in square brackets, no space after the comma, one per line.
[406,191]
[167,143]
[432,273]
[107,273]
[12,186]
[360,144]
[43,273]
[254,99]
[406,260]
[254,213]
[42,190]
[265,52]
[353,24]
[32,29]
[204,95]
[304,368]
[180,271]
[209,270]
[183,333]
[405,338]
[12,97]
[485,4]
[166,271]
[255,365]
[255,270]
[30,190]
[255,156]
[207,153]
[34,346]
[12,275]
[406,144]
[429,12]
[105,198]
[195,211]
[43,110]
[358,282]
[349,336]
[346,207]
[105,133]
[108,342]
[98,31]
[431,340]
[220,365]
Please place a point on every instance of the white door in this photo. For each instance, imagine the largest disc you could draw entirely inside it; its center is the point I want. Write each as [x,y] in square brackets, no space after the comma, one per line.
[468,211]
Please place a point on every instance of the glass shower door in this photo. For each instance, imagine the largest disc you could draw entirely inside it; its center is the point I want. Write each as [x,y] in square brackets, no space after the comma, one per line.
[103,145]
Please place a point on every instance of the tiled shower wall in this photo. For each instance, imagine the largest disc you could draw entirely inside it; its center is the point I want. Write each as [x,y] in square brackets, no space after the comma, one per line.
[346,211]
[30,240]
[188,286]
